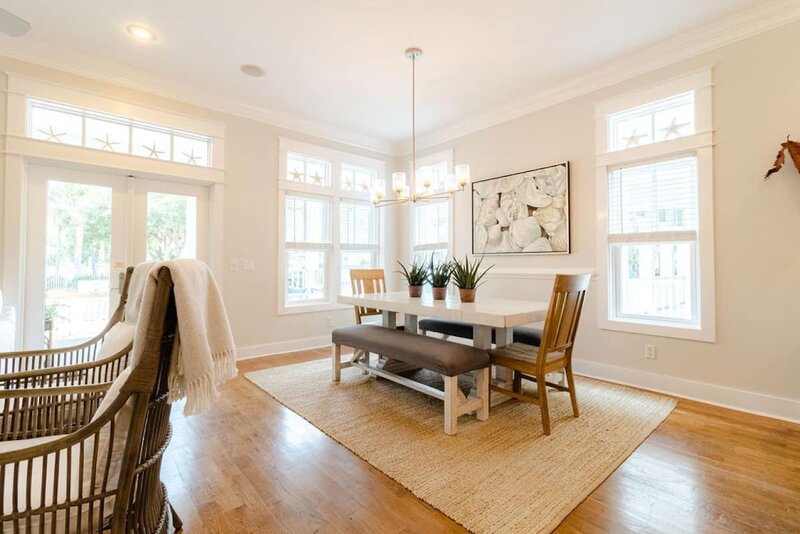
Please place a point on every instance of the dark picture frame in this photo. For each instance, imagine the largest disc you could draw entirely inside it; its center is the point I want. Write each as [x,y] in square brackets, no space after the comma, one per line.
[522,213]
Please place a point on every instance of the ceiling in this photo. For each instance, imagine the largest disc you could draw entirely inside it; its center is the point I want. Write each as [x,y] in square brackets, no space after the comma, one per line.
[340,62]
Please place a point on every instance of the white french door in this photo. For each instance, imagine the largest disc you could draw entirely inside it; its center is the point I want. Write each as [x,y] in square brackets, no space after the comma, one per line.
[83,229]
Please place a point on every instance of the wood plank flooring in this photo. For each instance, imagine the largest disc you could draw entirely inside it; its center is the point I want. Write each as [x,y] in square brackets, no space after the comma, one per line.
[251,465]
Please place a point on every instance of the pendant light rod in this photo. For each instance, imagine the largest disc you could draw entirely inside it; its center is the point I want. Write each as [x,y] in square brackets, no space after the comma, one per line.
[413,54]
[455,182]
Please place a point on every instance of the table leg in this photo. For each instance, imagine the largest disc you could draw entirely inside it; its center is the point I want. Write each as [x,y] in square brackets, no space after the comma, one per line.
[390,321]
[411,323]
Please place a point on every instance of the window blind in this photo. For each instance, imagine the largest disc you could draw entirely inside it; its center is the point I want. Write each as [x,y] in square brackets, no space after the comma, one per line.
[653,202]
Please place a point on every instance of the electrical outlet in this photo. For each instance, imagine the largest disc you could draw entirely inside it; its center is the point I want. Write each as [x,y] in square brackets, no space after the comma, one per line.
[650,352]
[328,321]
[248,265]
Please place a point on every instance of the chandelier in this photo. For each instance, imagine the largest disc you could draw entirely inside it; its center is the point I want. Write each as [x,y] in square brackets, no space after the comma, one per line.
[453,182]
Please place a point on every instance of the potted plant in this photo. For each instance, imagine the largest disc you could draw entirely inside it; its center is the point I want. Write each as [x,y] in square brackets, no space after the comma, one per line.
[439,277]
[415,276]
[467,277]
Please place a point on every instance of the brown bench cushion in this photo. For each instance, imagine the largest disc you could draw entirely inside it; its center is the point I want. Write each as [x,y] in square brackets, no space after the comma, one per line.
[530,335]
[438,355]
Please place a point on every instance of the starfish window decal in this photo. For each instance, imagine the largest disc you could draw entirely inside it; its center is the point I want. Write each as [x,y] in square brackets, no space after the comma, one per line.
[107,143]
[52,135]
[296,175]
[673,129]
[317,178]
[633,140]
[365,187]
[154,152]
[348,184]
[191,159]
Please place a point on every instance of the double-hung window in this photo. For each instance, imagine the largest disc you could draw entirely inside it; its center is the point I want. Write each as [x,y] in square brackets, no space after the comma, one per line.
[656,240]
[328,224]
[431,221]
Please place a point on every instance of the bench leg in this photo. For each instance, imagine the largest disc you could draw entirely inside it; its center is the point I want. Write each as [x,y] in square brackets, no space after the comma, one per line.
[366,360]
[482,380]
[450,404]
[336,357]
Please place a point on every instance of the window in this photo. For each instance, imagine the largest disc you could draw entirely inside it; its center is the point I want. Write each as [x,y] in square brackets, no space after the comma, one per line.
[656,247]
[308,248]
[329,225]
[359,239]
[355,178]
[431,220]
[61,123]
[431,228]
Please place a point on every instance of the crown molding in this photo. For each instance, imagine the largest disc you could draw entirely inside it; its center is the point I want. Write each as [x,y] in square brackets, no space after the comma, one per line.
[736,27]
[45,55]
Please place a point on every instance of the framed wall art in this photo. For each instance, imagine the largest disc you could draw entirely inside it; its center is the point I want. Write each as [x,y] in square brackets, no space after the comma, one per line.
[522,213]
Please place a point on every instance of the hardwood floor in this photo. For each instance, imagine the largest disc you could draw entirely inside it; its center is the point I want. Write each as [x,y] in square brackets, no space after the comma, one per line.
[251,465]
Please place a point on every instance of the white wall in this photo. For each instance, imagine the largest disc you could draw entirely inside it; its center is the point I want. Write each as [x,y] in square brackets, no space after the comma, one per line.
[755,363]
[250,218]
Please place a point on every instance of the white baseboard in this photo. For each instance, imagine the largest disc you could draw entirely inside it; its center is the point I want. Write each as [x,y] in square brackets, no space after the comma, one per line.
[735,399]
[281,347]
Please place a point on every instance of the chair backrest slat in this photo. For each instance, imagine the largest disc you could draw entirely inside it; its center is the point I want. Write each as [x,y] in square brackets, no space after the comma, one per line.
[563,314]
[366,281]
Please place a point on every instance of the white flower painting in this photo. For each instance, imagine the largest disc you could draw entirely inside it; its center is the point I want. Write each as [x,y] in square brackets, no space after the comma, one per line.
[522,213]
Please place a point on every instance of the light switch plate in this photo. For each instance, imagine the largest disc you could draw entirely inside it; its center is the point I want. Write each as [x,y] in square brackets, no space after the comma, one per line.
[248,265]
[234,265]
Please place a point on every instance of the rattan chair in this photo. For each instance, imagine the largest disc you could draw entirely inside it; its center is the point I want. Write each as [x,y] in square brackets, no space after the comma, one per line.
[555,351]
[86,352]
[88,458]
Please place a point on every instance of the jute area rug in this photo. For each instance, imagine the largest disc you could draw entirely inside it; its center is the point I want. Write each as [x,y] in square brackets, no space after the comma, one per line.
[501,475]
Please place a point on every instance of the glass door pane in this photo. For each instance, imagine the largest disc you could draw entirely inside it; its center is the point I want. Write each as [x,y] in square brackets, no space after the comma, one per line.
[171,226]
[77,262]
[170,221]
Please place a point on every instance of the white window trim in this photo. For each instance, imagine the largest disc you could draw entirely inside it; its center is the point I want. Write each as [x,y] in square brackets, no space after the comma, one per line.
[20,88]
[335,194]
[431,159]
[701,145]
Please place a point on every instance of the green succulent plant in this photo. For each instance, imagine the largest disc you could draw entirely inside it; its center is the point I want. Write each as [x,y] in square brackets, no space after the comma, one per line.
[439,274]
[468,275]
[415,275]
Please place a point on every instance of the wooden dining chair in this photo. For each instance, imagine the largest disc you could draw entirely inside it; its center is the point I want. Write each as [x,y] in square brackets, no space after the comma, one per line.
[555,351]
[365,281]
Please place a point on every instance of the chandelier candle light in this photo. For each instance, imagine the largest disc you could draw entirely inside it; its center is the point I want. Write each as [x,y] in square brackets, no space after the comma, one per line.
[454,183]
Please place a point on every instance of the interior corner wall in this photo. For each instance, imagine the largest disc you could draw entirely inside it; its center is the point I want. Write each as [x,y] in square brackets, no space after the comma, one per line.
[755,363]
[250,215]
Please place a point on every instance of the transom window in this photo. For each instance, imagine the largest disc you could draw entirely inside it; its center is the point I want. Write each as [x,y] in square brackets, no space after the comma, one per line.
[355,178]
[657,248]
[65,124]
[329,225]
[308,170]
[653,122]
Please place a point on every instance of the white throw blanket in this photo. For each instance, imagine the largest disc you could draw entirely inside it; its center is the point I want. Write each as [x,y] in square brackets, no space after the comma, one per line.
[136,291]
[204,354]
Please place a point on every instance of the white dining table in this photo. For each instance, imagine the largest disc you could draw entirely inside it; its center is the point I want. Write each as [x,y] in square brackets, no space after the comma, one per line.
[485,314]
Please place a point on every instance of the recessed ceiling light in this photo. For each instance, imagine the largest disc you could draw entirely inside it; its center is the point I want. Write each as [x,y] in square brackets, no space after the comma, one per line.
[252,70]
[140,33]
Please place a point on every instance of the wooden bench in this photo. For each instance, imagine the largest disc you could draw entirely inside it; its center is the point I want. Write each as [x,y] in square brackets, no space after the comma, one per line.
[437,355]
